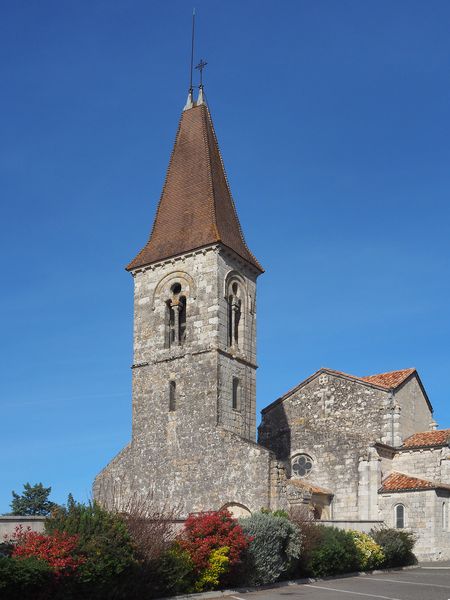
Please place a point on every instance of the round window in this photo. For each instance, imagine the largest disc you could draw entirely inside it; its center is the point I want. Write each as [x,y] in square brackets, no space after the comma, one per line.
[301,465]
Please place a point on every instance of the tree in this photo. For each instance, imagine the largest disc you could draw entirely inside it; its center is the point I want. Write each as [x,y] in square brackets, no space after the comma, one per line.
[33,501]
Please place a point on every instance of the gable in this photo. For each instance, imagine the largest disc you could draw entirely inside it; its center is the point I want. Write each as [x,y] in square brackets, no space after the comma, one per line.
[413,385]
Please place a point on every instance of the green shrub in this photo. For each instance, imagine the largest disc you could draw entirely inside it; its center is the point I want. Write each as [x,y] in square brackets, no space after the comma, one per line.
[371,556]
[274,550]
[170,574]
[6,548]
[174,572]
[105,543]
[24,578]
[335,553]
[397,546]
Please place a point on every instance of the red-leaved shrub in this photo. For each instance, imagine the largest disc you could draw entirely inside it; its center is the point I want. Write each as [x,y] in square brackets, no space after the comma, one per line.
[208,531]
[58,550]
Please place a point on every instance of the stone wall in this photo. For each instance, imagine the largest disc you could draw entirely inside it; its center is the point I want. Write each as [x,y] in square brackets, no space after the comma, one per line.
[425,463]
[201,455]
[415,412]
[9,523]
[335,421]
[423,516]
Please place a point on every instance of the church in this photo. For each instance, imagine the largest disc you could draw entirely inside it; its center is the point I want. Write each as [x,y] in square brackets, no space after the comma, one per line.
[358,452]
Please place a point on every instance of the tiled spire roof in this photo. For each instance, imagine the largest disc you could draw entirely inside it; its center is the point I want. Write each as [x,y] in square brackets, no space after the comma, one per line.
[196,208]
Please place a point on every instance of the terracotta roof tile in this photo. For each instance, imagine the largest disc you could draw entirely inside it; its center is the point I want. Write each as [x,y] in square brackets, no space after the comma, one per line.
[389,380]
[439,437]
[310,487]
[196,208]
[399,482]
[386,381]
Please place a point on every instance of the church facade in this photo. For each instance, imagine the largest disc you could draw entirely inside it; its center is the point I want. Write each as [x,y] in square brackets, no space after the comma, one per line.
[357,451]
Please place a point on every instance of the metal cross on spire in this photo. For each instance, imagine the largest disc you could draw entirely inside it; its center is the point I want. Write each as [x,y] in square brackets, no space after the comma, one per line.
[201,65]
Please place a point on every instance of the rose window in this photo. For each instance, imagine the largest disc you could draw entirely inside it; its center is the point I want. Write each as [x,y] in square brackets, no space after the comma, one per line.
[302,465]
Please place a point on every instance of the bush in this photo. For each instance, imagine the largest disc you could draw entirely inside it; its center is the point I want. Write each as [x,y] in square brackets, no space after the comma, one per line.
[219,564]
[370,554]
[6,548]
[174,572]
[170,574]
[207,532]
[397,546]
[335,553]
[58,550]
[274,549]
[104,542]
[25,578]
[311,534]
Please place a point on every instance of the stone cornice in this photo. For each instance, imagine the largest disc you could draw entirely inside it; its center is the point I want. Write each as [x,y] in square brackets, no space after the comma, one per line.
[181,352]
[174,260]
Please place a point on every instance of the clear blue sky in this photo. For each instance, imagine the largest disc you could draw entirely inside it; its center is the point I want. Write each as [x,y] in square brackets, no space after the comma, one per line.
[333,120]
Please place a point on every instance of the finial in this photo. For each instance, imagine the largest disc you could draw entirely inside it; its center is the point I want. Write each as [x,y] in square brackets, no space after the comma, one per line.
[201,65]
[191,89]
[190,98]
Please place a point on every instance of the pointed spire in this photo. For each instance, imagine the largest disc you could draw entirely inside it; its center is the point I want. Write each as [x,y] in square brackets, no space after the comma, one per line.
[196,208]
[201,97]
[190,101]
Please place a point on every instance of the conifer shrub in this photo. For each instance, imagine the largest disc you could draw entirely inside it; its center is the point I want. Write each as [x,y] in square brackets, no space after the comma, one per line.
[371,555]
[274,550]
[397,546]
[335,553]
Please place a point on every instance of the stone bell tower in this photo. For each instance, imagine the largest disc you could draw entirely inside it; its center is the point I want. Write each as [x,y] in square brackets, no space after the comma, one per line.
[194,395]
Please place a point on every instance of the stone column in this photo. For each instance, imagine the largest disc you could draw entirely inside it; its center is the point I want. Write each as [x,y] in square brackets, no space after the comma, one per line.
[176,313]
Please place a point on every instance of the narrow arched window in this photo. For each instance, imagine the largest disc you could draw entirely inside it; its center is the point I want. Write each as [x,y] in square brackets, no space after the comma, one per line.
[235,403]
[399,513]
[182,319]
[169,329]
[234,315]
[172,396]
[175,320]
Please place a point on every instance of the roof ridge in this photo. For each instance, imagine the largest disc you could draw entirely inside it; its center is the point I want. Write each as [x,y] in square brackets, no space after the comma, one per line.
[210,178]
[224,171]
[129,265]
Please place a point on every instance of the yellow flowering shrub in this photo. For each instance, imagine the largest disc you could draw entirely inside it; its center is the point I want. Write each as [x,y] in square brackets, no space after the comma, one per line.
[219,564]
[371,555]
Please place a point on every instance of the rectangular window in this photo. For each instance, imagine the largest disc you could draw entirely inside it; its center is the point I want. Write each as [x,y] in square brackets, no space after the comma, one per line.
[236,399]
[172,396]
